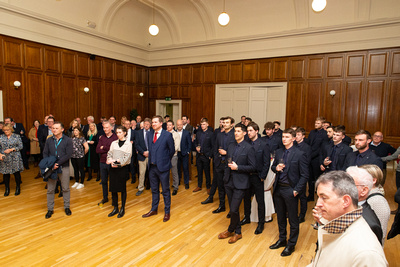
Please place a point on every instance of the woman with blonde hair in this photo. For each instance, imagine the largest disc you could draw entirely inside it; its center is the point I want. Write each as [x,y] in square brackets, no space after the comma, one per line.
[376,198]
[92,158]
[74,123]
[10,158]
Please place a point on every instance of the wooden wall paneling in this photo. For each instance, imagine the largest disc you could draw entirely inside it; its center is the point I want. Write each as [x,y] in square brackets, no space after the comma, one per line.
[97,68]
[186,108]
[151,108]
[264,70]
[209,73]
[250,70]
[119,101]
[33,56]
[175,91]
[395,63]
[295,104]
[141,75]
[222,72]
[130,73]
[68,62]
[108,69]
[13,52]
[315,67]
[297,67]
[235,72]
[108,101]
[68,100]
[14,99]
[313,99]
[131,96]
[393,110]
[163,92]
[377,63]
[280,69]
[139,102]
[164,75]
[373,117]
[97,98]
[84,99]
[175,75]
[198,74]
[52,59]
[84,69]
[335,65]
[208,106]
[196,101]
[53,97]
[153,76]
[185,91]
[352,104]
[355,65]
[153,91]
[120,71]
[332,104]
[186,74]
[35,98]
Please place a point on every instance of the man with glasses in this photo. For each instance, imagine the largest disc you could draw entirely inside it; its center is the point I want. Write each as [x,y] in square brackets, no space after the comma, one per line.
[381,149]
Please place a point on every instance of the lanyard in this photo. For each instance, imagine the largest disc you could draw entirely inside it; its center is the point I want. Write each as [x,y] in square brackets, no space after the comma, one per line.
[56,145]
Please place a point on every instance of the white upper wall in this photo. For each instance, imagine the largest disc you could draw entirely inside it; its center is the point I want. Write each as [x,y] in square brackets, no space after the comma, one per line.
[190,33]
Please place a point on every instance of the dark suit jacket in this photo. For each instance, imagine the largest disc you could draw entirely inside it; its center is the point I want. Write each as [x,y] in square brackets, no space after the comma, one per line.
[315,139]
[162,151]
[140,145]
[43,132]
[245,159]
[347,140]
[219,143]
[85,129]
[303,146]
[369,157]
[206,142]
[296,167]
[186,142]
[17,130]
[342,152]
[274,142]
[263,157]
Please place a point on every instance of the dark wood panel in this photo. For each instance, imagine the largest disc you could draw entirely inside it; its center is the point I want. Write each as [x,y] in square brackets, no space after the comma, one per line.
[209,73]
[153,91]
[96,94]
[395,69]
[52,59]
[208,106]
[265,70]
[294,105]
[119,103]
[13,52]
[334,66]
[34,97]
[393,110]
[352,103]
[297,68]
[313,97]
[141,75]
[108,69]
[377,64]
[280,69]
[355,65]
[163,91]
[84,65]
[315,67]
[197,104]
[97,68]
[164,76]
[69,100]
[175,78]
[68,62]
[108,104]
[33,56]
[130,73]
[235,72]
[185,91]
[221,71]
[175,91]
[374,105]
[250,71]
[153,76]
[198,74]
[151,108]
[84,99]
[130,98]
[186,74]
[186,108]
[14,99]
[140,103]
[120,71]
[53,101]
[332,104]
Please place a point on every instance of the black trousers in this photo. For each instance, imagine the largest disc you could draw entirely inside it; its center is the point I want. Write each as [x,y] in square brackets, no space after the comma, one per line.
[114,196]
[256,188]
[203,164]
[235,197]
[219,180]
[315,172]
[79,169]
[285,202]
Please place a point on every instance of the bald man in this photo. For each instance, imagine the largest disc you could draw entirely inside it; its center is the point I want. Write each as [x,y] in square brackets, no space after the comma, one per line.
[381,149]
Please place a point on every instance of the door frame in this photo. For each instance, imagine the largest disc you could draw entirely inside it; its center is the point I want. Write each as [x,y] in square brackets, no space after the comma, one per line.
[160,102]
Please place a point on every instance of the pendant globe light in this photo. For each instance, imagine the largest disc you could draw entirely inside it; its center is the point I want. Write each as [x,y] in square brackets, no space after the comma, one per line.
[223,18]
[318,5]
[153,29]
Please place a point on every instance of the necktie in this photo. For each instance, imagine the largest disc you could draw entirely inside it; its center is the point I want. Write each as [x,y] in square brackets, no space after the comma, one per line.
[285,156]
[155,137]
[145,139]
[333,154]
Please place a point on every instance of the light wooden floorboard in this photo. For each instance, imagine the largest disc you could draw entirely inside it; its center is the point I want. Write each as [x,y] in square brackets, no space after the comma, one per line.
[90,238]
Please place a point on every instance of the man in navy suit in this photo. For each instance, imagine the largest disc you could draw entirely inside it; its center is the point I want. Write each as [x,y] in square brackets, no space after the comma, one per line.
[241,161]
[161,151]
[183,153]
[291,168]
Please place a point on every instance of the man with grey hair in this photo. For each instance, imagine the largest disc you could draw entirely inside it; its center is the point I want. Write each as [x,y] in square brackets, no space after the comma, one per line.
[364,183]
[85,129]
[344,238]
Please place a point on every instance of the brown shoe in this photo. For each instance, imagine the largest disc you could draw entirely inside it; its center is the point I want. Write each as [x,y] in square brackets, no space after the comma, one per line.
[197,189]
[234,238]
[225,234]
[167,216]
[150,213]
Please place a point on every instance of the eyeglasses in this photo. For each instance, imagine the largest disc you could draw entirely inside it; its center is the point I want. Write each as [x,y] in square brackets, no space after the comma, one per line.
[380,136]
[360,184]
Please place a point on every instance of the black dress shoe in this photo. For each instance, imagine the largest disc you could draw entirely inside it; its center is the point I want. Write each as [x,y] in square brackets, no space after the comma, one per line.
[68,211]
[121,213]
[174,192]
[55,191]
[259,229]
[302,219]
[278,244]
[89,178]
[17,190]
[2,182]
[245,221]
[133,181]
[310,198]
[115,211]
[208,200]
[287,251]
[186,186]
[270,220]
[97,179]
[228,216]
[48,214]
[220,209]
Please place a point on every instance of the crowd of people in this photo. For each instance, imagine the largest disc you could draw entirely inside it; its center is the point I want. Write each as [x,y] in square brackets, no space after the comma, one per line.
[246,161]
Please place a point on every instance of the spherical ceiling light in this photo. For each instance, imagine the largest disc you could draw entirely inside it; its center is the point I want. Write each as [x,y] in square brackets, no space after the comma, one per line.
[223,19]
[318,5]
[153,29]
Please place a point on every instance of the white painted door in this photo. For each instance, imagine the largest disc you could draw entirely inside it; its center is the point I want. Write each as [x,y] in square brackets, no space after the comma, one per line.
[258,105]
[232,101]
